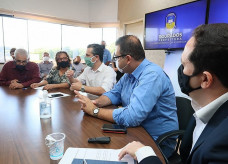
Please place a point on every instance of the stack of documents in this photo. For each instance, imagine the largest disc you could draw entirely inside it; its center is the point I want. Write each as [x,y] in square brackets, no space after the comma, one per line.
[94,156]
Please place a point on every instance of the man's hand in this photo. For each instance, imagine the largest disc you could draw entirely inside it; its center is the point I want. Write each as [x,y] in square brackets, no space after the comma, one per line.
[15,85]
[130,149]
[76,86]
[48,86]
[14,81]
[34,85]
[86,104]
[70,74]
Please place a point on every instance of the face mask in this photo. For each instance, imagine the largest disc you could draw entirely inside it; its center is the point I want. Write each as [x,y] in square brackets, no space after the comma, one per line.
[64,64]
[103,46]
[120,69]
[183,81]
[20,67]
[45,58]
[76,62]
[89,62]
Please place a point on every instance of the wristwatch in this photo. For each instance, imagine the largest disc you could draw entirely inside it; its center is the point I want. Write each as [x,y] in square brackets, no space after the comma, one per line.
[83,88]
[96,111]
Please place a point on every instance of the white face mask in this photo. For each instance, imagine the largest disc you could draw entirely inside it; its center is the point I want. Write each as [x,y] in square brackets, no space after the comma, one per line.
[45,58]
[120,69]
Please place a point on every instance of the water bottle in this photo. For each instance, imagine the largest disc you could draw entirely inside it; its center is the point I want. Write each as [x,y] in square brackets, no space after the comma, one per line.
[45,105]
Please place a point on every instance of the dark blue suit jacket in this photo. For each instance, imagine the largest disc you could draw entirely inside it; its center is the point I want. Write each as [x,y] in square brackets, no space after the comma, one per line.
[212,145]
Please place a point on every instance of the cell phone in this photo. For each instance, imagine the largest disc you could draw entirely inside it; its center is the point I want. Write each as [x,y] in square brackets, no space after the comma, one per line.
[114,128]
[57,95]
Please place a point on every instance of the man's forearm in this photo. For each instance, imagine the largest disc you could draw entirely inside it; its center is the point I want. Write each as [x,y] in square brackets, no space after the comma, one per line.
[106,114]
[94,90]
[103,101]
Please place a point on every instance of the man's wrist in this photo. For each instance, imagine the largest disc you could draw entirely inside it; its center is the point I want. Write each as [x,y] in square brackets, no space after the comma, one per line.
[144,152]
[96,111]
[83,88]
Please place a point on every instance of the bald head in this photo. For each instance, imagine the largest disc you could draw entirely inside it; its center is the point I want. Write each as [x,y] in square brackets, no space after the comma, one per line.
[131,45]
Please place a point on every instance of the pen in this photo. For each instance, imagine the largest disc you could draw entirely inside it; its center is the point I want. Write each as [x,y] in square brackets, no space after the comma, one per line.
[84,161]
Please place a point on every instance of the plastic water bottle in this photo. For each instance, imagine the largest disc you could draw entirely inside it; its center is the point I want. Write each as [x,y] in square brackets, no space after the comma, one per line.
[45,106]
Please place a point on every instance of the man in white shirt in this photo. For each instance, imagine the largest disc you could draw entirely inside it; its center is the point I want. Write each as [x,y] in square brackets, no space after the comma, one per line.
[97,78]
[202,76]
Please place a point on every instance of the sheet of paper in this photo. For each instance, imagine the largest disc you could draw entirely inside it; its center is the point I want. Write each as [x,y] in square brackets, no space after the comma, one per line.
[96,154]
[39,88]
[63,95]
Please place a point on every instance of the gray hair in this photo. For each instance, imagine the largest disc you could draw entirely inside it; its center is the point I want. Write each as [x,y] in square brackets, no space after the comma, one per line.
[21,52]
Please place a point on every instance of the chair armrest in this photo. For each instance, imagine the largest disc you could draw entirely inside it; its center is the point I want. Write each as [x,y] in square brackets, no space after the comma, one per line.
[169,134]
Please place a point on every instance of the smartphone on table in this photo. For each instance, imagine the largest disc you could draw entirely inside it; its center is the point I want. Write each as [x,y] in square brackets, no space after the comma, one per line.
[114,128]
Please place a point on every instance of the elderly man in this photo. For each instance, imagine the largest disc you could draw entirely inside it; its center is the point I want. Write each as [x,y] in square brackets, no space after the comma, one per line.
[145,92]
[97,78]
[202,76]
[19,73]
[45,66]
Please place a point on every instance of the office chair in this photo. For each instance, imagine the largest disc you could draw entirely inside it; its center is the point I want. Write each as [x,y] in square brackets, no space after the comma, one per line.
[184,114]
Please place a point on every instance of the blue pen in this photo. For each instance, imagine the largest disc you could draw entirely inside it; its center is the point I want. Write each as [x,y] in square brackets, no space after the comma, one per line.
[24,88]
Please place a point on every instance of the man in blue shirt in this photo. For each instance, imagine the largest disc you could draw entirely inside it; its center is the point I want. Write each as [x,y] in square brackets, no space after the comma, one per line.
[145,92]
[106,55]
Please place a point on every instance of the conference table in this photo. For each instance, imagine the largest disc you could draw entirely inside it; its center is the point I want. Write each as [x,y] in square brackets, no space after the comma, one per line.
[23,132]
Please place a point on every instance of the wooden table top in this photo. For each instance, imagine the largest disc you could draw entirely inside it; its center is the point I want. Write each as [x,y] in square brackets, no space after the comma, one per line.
[22,138]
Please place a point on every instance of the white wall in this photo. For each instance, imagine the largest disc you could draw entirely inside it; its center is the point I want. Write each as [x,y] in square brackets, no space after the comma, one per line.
[77,10]
[103,10]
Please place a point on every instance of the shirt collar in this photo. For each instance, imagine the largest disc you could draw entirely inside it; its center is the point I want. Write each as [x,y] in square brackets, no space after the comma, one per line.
[100,68]
[137,72]
[205,113]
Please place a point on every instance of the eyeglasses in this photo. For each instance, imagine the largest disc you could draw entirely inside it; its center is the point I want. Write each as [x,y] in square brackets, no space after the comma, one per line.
[21,62]
[115,58]
[62,59]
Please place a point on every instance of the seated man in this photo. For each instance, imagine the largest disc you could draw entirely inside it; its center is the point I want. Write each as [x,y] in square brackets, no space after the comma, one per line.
[45,66]
[97,78]
[106,55]
[202,76]
[20,72]
[145,91]
[12,50]
[78,67]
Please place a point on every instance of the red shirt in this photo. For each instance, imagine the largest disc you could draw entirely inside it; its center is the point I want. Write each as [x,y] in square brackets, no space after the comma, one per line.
[29,75]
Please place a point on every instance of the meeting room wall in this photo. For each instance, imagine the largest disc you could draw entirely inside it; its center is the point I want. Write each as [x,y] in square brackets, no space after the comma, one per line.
[84,11]
[131,15]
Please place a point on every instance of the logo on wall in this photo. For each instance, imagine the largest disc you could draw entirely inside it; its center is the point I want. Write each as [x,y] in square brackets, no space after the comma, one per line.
[171,21]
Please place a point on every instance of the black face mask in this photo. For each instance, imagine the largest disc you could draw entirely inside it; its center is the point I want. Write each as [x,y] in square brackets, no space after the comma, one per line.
[64,64]
[103,46]
[20,67]
[76,62]
[183,81]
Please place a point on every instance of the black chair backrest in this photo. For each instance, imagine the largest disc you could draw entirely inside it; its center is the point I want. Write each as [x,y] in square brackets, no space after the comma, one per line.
[184,111]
